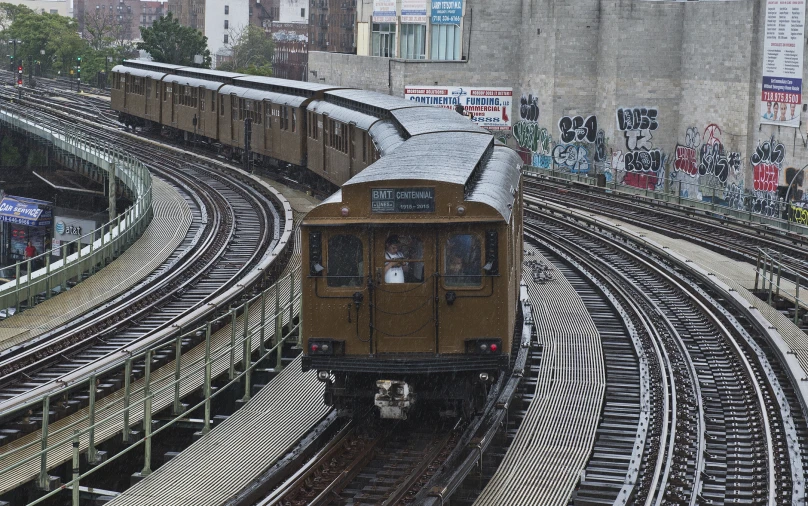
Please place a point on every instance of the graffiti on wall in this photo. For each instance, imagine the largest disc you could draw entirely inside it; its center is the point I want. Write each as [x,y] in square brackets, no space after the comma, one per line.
[580,143]
[767,161]
[643,164]
[703,160]
[536,142]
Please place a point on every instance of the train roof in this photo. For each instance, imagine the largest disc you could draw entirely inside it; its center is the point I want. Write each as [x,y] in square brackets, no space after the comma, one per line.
[343,114]
[190,81]
[449,157]
[386,136]
[421,120]
[274,82]
[151,65]
[214,75]
[134,71]
[367,101]
[497,182]
[253,94]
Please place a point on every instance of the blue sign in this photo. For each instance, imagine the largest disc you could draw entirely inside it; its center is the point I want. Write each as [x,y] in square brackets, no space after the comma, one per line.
[447,12]
[24,212]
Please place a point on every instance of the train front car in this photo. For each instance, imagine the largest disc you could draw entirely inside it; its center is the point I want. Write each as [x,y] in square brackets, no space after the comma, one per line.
[411,277]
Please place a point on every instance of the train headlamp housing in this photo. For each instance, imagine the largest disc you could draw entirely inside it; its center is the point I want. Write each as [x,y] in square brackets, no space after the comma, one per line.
[325,346]
[484,346]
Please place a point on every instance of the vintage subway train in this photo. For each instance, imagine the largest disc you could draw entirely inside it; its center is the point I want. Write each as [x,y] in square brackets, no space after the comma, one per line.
[411,269]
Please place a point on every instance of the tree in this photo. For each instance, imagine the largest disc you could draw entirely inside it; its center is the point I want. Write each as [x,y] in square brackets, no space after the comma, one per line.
[54,34]
[169,42]
[250,52]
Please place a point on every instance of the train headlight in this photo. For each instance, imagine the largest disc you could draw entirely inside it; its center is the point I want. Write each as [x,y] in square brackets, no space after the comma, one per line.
[487,346]
[325,346]
[323,376]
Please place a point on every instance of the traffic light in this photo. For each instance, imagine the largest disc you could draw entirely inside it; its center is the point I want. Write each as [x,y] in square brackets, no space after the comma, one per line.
[19,75]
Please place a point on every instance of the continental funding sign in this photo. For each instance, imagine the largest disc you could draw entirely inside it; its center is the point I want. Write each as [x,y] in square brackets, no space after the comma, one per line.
[402,200]
[781,93]
[489,108]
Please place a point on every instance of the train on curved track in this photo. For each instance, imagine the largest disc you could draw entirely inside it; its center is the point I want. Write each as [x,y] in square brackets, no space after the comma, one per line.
[412,267]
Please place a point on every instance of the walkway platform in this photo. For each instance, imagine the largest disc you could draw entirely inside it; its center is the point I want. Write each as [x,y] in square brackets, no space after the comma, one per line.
[172,218]
[553,444]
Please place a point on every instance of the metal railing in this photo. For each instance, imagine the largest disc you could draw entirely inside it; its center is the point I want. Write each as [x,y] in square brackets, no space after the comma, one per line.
[769,273]
[731,203]
[81,431]
[107,241]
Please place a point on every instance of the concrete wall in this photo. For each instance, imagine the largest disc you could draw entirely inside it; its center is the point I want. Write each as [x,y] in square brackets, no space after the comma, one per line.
[689,71]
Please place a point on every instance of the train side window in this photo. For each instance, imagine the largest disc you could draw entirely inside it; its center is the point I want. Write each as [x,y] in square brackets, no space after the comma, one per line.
[268,114]
[294,119]
[364,146]
[221,107]
[461,261]
[403,259]
[345,261]
[213,101]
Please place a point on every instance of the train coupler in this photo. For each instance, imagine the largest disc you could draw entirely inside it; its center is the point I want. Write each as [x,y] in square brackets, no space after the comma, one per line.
[394,399]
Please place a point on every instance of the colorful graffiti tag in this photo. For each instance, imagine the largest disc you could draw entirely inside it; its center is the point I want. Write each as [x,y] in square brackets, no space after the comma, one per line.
[534,140]
[643,164]
[766,163]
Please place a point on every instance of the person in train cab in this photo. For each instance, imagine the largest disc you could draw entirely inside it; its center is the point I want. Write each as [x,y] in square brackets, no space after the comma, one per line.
[458,272]
[395,268]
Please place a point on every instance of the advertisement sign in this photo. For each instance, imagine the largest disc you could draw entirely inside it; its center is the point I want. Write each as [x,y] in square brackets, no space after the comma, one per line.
[489,108]
[413,11]
[384,11]
[781,96]
[447,12]
[24,212]
[69,229]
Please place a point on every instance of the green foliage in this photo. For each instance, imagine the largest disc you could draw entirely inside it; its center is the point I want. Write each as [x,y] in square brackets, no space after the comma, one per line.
[169,42]
[9,154]
[251,52]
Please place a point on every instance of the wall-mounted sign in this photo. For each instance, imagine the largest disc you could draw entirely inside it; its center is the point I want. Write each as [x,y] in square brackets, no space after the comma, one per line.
[413,11]
[447,12]
[22,211]
[384,11]
[402,200]
[67,229]
[489,108]
[783,43]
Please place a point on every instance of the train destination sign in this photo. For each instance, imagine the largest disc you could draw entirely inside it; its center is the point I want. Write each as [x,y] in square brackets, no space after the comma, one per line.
[402,200]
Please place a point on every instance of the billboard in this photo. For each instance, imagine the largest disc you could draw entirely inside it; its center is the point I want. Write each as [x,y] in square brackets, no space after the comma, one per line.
[384,11]
[447,12]
[413,11]
[489,108]
[781,94]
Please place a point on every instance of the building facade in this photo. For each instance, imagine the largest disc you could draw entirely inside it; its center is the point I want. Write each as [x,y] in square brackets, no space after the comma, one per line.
[60,7]
[331,25]
[188,12]
[224,22]
[118,19]
[663,95]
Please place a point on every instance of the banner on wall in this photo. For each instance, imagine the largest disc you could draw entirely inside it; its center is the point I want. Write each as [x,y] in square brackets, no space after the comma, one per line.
[413,11]
[781,95]
[489,108]
[447,12]
[384,11]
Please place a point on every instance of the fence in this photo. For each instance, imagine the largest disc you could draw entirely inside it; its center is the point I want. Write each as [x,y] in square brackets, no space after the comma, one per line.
[235,341]
[106,242]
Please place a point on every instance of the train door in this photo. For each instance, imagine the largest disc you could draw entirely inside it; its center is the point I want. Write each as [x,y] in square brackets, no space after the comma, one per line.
[403,264]
[125,91]
[268,127]
[173,101]
[147,98]
[200,113]
[326,141]
[234,117]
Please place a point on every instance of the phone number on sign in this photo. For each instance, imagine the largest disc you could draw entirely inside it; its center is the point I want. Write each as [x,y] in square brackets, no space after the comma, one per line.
[789,98]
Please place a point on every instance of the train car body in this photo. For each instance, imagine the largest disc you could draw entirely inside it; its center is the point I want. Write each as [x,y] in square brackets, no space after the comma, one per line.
[136,93]
[411,276]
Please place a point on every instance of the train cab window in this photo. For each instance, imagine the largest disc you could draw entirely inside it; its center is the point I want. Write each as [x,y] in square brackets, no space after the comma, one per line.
[345,261]
[462,261]
[403,259]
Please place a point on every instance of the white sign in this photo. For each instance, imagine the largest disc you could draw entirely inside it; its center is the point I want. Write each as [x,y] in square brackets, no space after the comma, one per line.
[781,94]
[489,108]
[413,11]
[56,247]
[384,11]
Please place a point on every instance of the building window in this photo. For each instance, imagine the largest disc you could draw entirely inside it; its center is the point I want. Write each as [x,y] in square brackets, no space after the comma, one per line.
[225,38]
[445,42]
[303,12]
[383,40]
[226,24]
[413,42]
[227,9]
